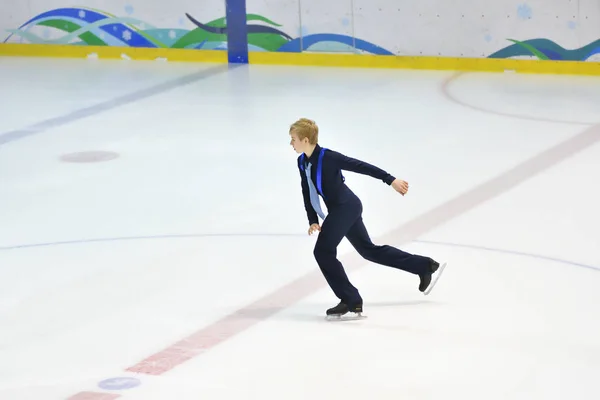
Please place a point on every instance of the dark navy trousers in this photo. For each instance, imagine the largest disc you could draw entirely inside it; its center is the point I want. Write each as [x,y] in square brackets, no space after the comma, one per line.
[345,220]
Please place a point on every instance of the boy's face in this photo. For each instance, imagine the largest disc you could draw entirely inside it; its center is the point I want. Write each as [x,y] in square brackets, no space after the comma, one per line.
[299,145]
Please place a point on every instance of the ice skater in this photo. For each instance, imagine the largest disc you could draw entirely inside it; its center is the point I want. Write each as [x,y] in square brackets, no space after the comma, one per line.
[321,174]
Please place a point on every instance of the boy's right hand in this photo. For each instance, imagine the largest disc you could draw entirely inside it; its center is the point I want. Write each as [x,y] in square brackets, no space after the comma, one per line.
[400,186]
[313,228]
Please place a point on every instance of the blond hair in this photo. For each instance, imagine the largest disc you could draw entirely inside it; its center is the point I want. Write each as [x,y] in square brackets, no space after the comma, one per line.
[306,128]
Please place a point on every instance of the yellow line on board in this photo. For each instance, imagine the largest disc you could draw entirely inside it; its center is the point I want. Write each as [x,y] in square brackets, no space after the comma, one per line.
[310,59]
[425,62]
[135,53]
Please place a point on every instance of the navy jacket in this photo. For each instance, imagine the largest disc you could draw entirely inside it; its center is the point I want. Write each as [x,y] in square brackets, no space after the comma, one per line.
[334,190]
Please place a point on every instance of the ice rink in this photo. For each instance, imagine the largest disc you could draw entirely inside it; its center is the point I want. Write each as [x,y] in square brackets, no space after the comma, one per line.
[153,238]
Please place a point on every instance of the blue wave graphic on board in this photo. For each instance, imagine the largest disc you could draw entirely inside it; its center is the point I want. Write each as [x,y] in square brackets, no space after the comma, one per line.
[86,26]
[94,27]
[131,35]
[545,49]
[294,45]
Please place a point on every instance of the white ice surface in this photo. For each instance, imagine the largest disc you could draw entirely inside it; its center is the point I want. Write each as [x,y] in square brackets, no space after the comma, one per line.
[499,325]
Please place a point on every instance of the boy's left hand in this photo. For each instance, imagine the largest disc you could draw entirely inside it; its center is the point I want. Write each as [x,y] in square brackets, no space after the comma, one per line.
[400,186]
[313,228]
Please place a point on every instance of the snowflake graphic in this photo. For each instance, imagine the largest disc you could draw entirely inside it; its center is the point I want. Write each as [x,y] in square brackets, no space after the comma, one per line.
[524,11]
[172,34]
[127,35]
[81,14]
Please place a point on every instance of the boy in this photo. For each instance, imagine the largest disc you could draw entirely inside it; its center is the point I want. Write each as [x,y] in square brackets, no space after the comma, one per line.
[321,174]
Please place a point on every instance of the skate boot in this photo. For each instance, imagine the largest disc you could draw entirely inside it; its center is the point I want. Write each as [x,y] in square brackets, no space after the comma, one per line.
[425,285]
[343,312]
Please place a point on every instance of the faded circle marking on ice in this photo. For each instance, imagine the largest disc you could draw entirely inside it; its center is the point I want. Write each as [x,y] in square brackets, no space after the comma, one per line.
[89,156]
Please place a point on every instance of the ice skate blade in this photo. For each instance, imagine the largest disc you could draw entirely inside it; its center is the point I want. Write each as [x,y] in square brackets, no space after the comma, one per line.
[345,317]
[436,278]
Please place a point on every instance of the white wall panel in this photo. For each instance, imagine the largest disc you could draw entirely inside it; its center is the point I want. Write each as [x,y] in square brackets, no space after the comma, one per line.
[463,28]
[332,17]
[469,28]
[588,24]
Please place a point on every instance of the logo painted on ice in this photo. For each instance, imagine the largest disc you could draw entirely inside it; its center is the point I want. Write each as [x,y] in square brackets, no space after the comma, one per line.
[119,383]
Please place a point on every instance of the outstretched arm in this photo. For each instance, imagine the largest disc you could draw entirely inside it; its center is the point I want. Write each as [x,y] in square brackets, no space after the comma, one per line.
[361,167]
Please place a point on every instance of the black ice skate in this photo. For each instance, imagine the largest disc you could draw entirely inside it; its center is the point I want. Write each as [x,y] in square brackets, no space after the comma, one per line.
[342,312]
[425,284]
